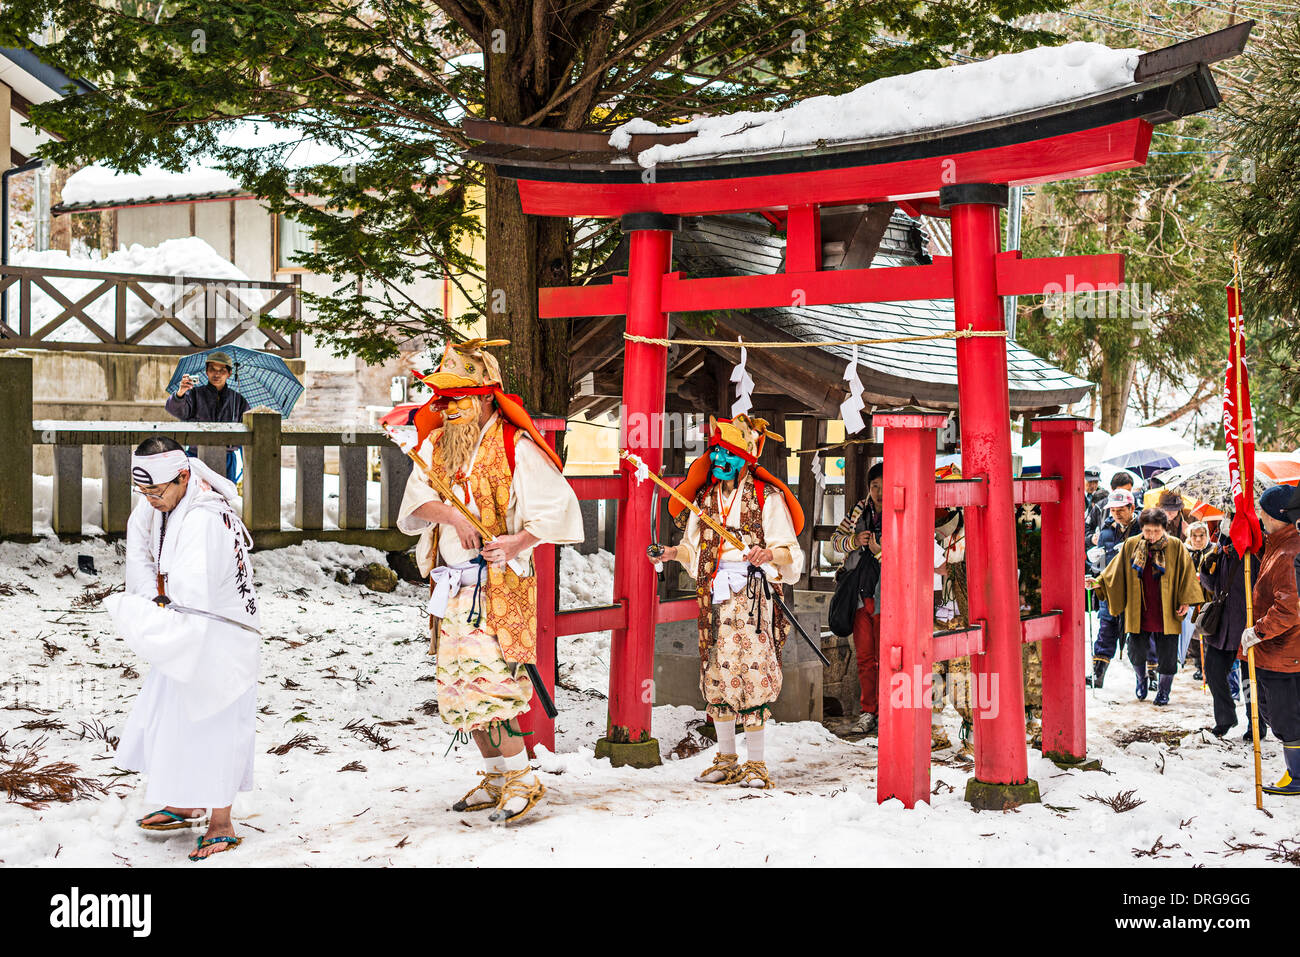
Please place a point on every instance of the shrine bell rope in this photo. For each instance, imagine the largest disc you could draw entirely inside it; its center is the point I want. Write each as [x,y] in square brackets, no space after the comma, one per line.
[955,334]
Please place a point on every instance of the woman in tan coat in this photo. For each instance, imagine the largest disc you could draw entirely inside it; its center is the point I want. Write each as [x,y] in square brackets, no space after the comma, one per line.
[1150,584]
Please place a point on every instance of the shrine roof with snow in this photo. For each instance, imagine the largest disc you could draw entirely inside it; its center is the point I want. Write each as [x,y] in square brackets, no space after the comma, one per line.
[1002,102]
[901,373]
[811,380]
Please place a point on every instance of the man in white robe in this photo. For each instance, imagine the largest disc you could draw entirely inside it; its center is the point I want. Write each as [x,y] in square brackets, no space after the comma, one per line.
[741,632]
[483,606]
[190,610]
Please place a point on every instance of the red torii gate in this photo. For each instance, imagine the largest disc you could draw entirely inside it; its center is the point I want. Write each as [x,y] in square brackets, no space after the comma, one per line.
[965,174]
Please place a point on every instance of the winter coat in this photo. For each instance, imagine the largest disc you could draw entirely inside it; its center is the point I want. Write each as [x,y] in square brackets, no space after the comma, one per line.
[864,517]
[1221,571]
[203,403]
[1121,585]
[1277,608]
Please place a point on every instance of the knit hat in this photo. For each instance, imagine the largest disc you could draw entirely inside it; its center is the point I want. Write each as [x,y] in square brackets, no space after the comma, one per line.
[1281,502]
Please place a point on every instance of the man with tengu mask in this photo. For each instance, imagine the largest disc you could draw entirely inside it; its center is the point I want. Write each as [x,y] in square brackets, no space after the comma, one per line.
[741,631]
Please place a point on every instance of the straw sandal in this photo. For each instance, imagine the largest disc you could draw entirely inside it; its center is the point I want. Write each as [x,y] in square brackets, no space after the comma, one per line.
[726,763]
[751,771]
[491,783]
[517,787]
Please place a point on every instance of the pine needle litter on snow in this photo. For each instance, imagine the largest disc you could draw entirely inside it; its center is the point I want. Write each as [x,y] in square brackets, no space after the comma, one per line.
[369,733]
[33,786]
[1169,736]
[1121,802]
[299,740]
[92,595]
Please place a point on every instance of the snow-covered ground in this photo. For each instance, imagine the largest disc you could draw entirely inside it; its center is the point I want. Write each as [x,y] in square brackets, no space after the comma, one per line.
[338,653]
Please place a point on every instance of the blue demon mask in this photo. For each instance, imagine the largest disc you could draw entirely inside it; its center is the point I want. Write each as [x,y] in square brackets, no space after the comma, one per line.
[726,463]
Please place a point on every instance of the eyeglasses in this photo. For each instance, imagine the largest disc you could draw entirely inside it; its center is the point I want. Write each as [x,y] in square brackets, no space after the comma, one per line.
[156,491]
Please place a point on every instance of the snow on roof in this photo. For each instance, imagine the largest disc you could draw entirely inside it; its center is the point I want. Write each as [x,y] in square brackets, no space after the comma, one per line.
[895,105]
[101,184]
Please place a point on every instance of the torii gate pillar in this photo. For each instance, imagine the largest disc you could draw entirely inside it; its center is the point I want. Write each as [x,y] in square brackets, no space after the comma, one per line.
[1001,769]
[627,739]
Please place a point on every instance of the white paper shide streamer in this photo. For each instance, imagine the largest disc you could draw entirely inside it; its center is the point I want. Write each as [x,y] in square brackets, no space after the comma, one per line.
[744,384]
[851,408]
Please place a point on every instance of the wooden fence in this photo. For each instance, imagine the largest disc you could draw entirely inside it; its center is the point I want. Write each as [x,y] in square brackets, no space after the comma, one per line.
[195,311]
[261,435]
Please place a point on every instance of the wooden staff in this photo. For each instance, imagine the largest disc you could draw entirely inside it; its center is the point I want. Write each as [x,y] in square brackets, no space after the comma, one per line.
[442,489]
[706,519]
[1245,567]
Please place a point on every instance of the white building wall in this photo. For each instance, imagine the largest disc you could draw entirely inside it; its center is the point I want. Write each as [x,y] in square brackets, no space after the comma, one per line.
[212,225]
[151,225]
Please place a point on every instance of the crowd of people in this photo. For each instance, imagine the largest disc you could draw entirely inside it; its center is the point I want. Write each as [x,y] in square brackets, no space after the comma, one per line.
[1169,592]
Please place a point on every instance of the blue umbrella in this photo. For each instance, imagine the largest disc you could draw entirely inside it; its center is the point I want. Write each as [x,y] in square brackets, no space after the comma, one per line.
[260,378]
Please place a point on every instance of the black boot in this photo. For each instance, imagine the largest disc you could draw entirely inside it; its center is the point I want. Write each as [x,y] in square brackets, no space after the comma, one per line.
[1141,689]
[1290,783]
[1098,678]
[1263,730]
[1153,682]
[1162,693]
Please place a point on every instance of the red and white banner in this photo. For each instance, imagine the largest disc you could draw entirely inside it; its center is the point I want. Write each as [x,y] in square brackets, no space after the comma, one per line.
[1238,421]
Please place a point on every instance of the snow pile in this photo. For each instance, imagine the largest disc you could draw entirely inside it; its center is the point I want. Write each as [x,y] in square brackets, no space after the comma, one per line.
[335,653]
[585,580]
[927,99]
[188,257]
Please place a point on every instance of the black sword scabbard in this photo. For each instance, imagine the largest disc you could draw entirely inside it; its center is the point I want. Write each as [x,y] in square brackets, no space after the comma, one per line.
[539,687]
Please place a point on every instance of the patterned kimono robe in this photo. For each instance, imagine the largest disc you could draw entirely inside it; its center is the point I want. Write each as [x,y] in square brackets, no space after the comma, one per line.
[741,634]
[488,627]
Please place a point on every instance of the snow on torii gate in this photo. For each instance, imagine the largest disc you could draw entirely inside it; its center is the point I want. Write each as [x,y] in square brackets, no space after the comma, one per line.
[963,172]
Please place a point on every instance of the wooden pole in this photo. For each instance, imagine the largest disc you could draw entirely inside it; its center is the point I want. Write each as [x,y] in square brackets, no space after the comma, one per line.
[441,488]
[1245,565]
[707,520]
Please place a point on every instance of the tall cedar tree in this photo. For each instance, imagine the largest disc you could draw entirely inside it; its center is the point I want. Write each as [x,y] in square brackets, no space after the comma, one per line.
[1265,209]
[388,81]
[1171,337]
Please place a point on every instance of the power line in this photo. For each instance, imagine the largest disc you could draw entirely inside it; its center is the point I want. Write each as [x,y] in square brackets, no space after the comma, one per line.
[1111,21]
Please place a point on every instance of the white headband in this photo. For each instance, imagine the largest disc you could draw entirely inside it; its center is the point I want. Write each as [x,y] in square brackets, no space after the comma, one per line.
[160,468]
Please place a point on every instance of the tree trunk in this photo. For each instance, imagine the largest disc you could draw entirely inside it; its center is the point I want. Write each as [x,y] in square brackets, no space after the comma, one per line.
[523,252]
[1116,382]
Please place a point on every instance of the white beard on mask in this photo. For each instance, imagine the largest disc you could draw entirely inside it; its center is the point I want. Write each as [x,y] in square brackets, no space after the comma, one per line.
[457,445]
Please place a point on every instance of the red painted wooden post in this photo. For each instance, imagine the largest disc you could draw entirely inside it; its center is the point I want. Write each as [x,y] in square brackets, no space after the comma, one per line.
[545,569]
[803,240]
[907,604]
[999,712]
[1064,717]
[645,370]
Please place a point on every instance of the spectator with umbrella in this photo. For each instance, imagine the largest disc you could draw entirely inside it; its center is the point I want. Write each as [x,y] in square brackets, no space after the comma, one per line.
[201,390]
